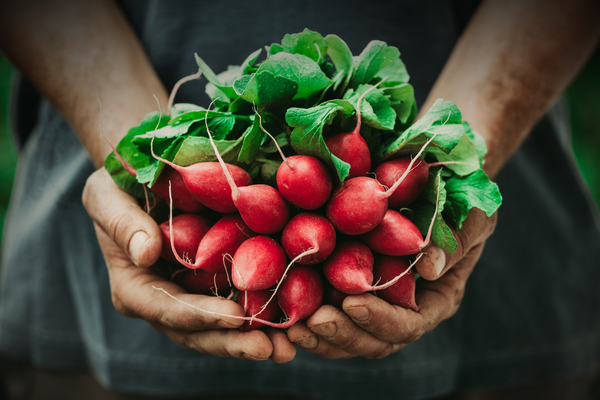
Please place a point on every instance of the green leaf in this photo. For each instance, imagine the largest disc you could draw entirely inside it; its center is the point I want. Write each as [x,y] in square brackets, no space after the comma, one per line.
[251,144]
[340,54]
[373,59]
[464,152]
[182,108]
[247,66]
[443,118]
[395,72]
[269,147]
[402,99]
[466,192]
[212,78]
[132,154]
[308,43]
[424,209]
[376,111]
[149,174]
[266,89]
[477,140]
[198,149]
[273,49]
[307,136]
[299,69]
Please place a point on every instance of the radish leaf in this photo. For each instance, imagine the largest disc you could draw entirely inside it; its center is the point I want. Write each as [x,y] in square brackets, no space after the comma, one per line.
[466,192]
[307,136]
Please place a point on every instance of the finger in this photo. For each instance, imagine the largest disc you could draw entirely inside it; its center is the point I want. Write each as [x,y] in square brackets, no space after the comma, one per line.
[335,327]
[134,294]
[300,335]
[475,230]
[283,350]
[251,345]
[437,300]
[120,216]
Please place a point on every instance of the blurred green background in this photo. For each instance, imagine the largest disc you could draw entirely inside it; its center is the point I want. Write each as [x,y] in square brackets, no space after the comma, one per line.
[582,98]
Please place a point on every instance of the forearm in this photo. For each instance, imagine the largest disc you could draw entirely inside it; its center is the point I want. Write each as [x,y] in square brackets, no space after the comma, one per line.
[512,62]
[75,53]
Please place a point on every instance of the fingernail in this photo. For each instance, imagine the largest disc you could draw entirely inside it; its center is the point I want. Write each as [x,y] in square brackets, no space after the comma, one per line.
[136,244]
[360,314]
[438,259]
[328,329]
[309,342]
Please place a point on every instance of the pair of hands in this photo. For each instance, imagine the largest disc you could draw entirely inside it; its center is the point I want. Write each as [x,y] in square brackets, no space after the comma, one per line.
[131,242]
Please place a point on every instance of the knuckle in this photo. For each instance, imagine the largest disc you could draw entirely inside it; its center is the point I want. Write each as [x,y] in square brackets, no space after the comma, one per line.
[116,227]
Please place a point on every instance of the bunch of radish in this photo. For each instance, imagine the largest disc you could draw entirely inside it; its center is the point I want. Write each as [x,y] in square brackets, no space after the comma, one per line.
[335,217]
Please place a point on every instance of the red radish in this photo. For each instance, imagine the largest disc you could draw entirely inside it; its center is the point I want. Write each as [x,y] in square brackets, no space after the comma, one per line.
[389,172]
[202,282]
[396,235]
[333,297]
[351,147]
[225,236]
[261,206]
[308,231]
[402,293]
[350,269]
[359,205]
[302,180]
[188,231]
[300,296]
[183,198]
[253,307]
[258,264]
[207,183]
[222,239]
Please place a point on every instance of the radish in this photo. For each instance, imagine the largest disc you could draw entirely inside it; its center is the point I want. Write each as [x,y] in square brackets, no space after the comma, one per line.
[302,180]
[222,239]
[206,182]
[183,200]
[402,293]
[397,235]
[253,307]
[202,282]
[360,204]
[261,206]
[308,231]
[389,172]
[300,296]
[350,268]
[258,264]
[332,296]
[188,230]
[351,147]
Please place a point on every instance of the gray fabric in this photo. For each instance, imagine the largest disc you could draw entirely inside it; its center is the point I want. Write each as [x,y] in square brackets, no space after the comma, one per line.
[530,310]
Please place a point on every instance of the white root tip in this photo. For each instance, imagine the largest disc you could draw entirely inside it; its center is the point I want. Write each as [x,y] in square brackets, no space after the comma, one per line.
[397,278]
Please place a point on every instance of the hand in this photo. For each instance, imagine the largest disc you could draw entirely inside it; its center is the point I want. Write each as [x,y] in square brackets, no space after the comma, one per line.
[370,327]
[131,242]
